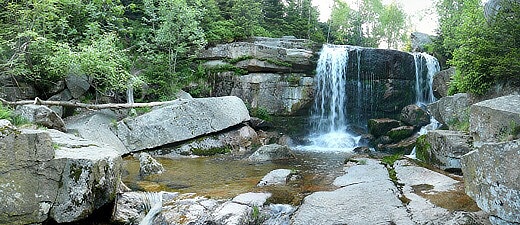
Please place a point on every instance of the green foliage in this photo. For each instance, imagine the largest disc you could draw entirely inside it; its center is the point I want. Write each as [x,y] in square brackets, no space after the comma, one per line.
[6,113]
[390,160]
[481,50]
[260,112]
[370,25]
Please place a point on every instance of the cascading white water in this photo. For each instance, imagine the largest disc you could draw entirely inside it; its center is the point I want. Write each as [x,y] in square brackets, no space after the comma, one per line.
[424,88]
[153,204]
[329,115]
[424,78]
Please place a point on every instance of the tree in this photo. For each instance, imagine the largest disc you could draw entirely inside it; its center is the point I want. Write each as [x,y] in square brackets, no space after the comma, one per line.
[247,17]
[392,29]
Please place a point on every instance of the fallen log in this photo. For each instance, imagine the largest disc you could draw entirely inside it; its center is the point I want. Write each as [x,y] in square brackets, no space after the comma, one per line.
[38,101]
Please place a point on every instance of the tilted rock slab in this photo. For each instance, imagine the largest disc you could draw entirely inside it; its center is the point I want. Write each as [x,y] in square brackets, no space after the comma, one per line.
[49,174]
[492,179]
[366,196]
[182,120]
[495,119]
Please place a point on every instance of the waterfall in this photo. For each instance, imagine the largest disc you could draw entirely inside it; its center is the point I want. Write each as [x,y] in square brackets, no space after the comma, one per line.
[329,114]
[424,78]
[153,204]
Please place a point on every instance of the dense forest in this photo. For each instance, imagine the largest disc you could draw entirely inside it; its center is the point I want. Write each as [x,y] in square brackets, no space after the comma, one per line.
[122,43]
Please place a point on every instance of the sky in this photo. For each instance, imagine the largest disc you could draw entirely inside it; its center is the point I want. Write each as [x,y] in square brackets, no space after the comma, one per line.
[422,12]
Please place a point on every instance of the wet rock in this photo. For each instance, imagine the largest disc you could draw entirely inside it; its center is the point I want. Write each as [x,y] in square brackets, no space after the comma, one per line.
[366,196]
[181,121]
[441,81]
[252,199]
[148,165]
[362,150]
[272,152]
[96,126]
[400,133]
[451,110]
[276,177]
[279,214]
[415,116]
[78,85]
[41,115]
[423,190]
[129,207]
[444,148]
[379,127]
[491,179]
[496,119]
[231,213]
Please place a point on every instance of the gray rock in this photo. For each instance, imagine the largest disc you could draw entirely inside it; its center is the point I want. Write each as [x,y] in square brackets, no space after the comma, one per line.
[272,152]
[129,207]
[496,119]
[62,177]
[279,214]
[261,66]
[362,199]
[41,115]
[491,179]
[231,213]
[418,183]
[148,165]
[237,140]
[65,95]
[277,93]
[90,177]
[181,121]
[277,49]
[419,41]
[276,177]
[16,89]
[414,115]
[78,85]
[400,133]
[259,124]
[252,199]
[379,127]
[441,81]
[96,126]
[444,148]
[451,110]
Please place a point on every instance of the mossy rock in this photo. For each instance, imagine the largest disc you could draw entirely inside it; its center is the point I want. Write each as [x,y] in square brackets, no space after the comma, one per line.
[400,133]
[379,127]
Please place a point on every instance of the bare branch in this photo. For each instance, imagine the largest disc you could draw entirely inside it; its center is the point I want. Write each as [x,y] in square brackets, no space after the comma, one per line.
[38,101]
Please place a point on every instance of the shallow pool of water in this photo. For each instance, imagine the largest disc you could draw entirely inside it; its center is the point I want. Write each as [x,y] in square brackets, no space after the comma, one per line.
[225,176]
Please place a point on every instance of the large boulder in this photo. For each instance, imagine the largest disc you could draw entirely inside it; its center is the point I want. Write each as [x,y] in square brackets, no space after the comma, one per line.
[379,127]
[62,177]
[441,82]
[41,115]
[181,121]
[496,119]
[443,148]
[451,110]
[277,93]
[276,177]
[96,126]
[78,85]
[491,179]
[414,115]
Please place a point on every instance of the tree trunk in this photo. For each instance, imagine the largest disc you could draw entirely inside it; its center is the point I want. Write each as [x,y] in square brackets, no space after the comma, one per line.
[38,101]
